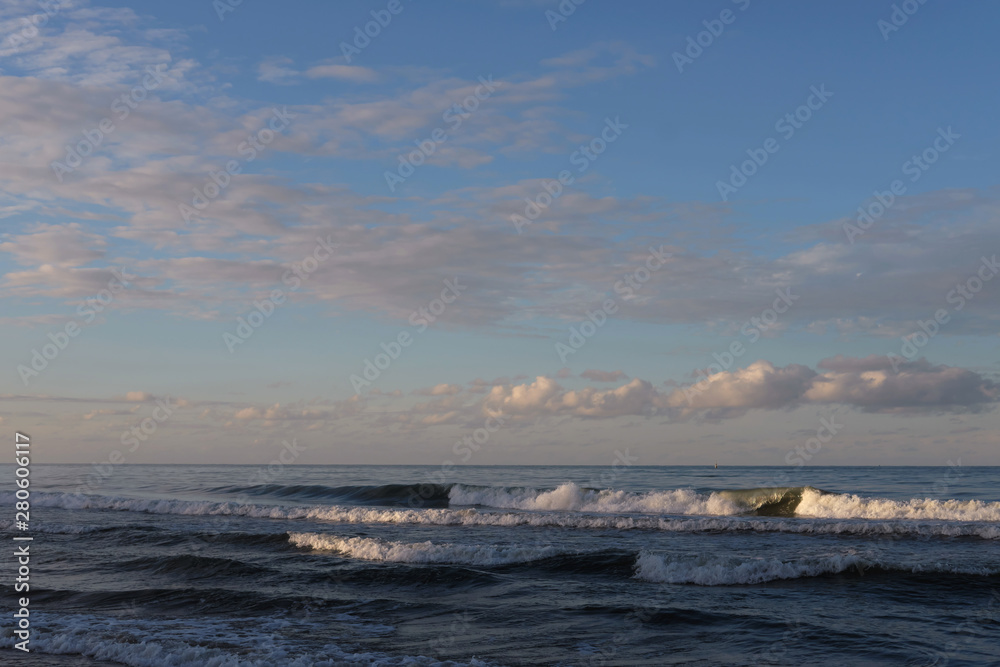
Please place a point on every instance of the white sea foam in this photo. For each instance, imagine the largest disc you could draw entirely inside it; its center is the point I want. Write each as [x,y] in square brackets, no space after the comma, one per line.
[471,517]
[571,497]
[724,572]
[365,548]
[814,503]
[849,506]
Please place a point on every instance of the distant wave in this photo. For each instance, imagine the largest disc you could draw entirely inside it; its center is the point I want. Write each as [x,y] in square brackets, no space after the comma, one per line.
[374,549]
[807,502]
[427,495]
[571,497]
[831,514]
[725,572]
[567,497]
[778,502]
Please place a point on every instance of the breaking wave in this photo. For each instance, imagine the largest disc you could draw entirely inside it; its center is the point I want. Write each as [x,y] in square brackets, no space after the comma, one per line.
[374,549]
[849,506]
[735,511]
[571,497]
[776,502]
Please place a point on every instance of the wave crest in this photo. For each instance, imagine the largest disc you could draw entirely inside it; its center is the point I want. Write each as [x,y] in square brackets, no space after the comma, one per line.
[374,549]
[571,497]
[849,506]
[847,523]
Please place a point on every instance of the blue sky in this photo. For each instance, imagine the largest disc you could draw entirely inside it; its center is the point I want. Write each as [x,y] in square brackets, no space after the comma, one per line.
[670,138]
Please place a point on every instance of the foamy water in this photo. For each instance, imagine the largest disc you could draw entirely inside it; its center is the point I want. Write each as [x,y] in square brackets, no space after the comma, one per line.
[185,565]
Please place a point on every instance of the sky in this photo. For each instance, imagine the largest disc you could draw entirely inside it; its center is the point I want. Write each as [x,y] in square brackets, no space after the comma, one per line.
[509,232]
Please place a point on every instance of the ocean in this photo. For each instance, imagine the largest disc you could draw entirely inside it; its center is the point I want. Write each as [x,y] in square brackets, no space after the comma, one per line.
[508,565]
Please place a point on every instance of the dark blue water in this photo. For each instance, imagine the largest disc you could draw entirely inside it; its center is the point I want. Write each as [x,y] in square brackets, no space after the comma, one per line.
[399,565]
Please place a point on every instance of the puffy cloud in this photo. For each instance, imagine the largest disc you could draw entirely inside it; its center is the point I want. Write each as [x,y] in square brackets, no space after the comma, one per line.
[524,398]
[545,396]
[914,386]
[635,398]
[873,384]
[870,384]
[759,385]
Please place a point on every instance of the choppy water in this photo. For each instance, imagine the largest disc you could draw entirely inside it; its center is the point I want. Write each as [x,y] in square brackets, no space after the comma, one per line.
[358,565]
